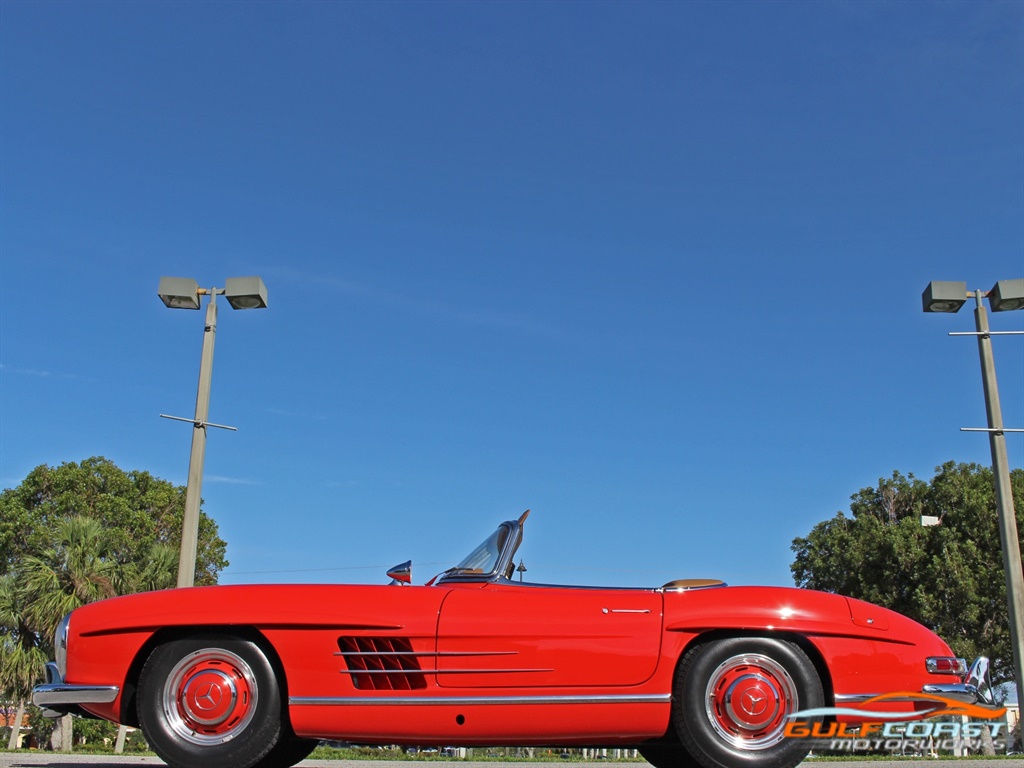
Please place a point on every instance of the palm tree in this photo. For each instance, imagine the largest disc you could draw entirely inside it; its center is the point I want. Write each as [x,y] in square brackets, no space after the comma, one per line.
[78,569]
[158,569]
[23,656]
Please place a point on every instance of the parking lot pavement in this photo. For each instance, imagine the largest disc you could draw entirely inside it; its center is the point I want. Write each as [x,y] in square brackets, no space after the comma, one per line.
[26,759]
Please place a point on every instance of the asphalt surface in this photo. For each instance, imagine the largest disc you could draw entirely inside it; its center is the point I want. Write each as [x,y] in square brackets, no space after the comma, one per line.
[58,760]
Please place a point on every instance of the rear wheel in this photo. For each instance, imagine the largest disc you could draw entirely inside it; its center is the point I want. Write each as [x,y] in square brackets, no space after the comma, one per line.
[735,697]
[210,700]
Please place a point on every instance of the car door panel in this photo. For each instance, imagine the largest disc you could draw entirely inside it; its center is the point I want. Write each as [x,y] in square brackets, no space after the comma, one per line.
[504,635]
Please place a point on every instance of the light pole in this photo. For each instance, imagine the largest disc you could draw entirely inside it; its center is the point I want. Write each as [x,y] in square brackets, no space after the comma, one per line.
[184,293]
[1005,295]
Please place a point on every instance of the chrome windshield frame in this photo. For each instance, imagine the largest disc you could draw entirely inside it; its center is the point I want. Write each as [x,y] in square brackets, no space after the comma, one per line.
[508,551]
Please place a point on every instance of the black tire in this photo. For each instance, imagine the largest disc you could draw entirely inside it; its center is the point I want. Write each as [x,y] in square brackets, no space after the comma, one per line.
[288,752]
[734,697]
[667,754]
[210,700]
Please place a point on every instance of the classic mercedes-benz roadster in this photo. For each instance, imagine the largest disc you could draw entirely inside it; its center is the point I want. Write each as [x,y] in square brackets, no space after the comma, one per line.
[691,673]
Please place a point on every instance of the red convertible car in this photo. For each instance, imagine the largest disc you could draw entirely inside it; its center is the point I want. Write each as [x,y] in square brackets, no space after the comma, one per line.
[691,673]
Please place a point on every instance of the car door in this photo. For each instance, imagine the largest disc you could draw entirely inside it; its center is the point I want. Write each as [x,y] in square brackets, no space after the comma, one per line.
[508,635]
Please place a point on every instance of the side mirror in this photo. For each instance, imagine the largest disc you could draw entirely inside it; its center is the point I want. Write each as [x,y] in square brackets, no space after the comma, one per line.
[401,573]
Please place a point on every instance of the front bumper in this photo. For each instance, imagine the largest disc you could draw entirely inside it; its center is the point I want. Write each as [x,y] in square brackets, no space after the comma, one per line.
[975,689]
[56,698]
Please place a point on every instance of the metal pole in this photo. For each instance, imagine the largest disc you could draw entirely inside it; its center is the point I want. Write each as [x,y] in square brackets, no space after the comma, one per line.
[194,489]
[1004,498]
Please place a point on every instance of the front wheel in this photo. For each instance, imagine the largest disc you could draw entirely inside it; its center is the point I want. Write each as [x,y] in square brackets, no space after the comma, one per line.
[735,697]
[210,700]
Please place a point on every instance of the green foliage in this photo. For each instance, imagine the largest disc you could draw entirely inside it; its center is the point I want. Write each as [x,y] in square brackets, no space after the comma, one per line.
[135,509]
[22,656]
[948,577]
[42,727]
[78,568]
[95,732]
[76,533]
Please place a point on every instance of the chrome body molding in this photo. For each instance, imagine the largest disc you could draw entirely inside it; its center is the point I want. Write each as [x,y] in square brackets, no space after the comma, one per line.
[854,698]
[56,698]
[436,671]
[436,654]
[472,701]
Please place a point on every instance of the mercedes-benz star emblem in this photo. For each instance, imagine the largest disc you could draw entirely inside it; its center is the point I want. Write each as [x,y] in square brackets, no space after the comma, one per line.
[208,697]
[754,703]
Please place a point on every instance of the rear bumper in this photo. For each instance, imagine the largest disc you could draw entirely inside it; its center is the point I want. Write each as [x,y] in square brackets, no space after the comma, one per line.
[975,689]
[56,698]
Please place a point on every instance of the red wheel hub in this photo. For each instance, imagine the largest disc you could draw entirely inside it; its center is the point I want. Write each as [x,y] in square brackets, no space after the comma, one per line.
[213,697]
[748,699]
[210,696]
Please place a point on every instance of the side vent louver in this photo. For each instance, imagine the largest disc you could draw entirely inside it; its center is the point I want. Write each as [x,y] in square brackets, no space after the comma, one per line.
[381,663]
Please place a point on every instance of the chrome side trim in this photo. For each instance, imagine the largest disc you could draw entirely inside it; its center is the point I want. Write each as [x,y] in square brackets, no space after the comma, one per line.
[483,671]
[435,671]
[854,698]
[471,701]
[427,653]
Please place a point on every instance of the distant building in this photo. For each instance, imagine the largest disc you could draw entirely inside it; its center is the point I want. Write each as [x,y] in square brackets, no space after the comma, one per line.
[7,714]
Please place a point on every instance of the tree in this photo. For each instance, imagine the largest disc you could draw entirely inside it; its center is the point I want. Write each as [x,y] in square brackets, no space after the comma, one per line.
[948,577]
[78,569]
[77,533]
[22,657]
[157,570]
[135,509]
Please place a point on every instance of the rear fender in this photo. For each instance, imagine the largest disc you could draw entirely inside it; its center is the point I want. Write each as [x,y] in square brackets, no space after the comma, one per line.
[866,649]
[803,643]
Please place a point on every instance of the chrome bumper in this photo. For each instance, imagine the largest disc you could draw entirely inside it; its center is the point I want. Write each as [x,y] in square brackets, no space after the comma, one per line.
[56,698]
[975,689]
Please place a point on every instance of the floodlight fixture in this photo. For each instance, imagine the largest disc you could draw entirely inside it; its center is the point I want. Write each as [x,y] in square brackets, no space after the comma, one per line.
[179,292]
[245,292]
[942,296]
[1007,295]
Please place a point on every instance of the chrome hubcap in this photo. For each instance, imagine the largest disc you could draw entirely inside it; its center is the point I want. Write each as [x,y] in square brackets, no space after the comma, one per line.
[747,700]
[210,696]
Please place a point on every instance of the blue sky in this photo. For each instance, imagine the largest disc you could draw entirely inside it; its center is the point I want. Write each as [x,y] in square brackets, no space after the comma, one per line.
[652,270]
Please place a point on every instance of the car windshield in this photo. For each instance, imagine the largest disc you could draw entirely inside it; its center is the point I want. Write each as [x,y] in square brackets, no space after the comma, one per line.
[484,559]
